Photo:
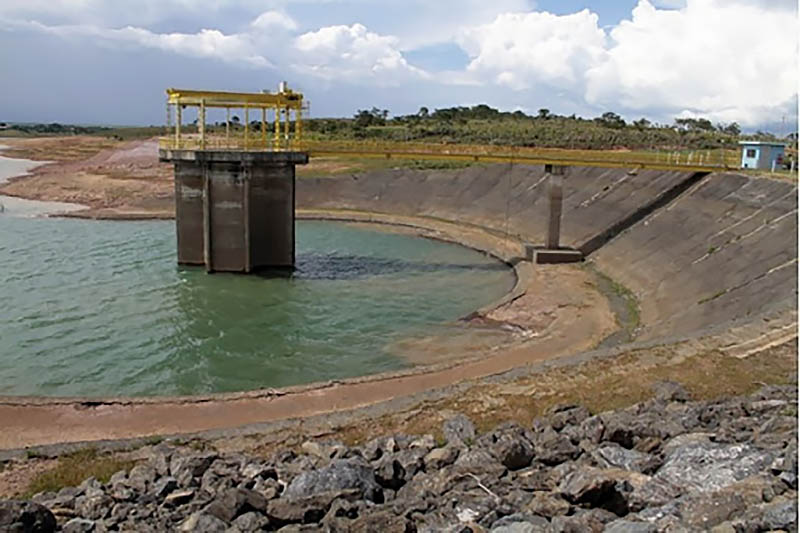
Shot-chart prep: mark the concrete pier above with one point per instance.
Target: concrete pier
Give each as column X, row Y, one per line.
column 234, row 210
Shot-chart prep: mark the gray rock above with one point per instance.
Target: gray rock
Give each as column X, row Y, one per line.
column 613, row 455
column 140, row 477
column 186, row 469
column 324, row 450
column 548, row 505
column 179, row 497
column 340, row 474
column 79, row 525
column 258, row 471
column 705, row 466
column 670, row 391
column 592, row 429
column 626, row 526
column 390, row 473
column 480, row 462
column 201, row 522
column 593, row 520
column 377, row 448
column 236, row 502
column 118, row 477
column 426, row 441
column 383, row 520
column 119, row 512
column 164, row 486
column 251, row 522
column 597, row 488
column 440, row 457
column 25, row 516
column 513, row 450
column 553, row 448
column 701, row 512
column 308, row 509
column 521, row 523
column 779, row 515
column 561, row 416
column 94, row 505
column 459, row 429
column 121, row 493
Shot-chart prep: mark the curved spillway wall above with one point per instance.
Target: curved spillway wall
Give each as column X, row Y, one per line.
column 724, row 248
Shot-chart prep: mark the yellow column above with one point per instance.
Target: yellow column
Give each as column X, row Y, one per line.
column 286, row 130
column 246, row 124
column 178, row 127
column 277, row 140
column 201, row 119
column 298, row 126
column 264, row 126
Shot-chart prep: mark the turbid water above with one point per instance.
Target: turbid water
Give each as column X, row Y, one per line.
column 101, row 308
column 19, row 207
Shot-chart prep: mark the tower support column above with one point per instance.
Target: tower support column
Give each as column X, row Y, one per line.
column 234, row 210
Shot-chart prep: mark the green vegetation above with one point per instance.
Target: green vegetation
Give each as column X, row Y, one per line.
column 479, row 124
column 121, row 133
column 482, row 124
column 74, row 468
column 624, row 302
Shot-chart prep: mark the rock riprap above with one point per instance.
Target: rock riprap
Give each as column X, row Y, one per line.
column 668, row 464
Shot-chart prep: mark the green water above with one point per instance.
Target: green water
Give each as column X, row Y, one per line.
column 101, row 308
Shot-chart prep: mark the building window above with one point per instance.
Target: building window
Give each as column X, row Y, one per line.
column 751, row 152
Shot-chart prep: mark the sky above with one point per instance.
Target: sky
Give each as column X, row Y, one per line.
column 108, row 62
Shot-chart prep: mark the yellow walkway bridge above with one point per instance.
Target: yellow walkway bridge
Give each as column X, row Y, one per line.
column 278, row 126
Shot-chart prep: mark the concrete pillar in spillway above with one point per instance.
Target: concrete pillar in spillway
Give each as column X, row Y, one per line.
column 553, row 252
column 234, row 210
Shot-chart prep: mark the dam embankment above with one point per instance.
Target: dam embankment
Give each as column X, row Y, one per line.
column 718, row 248
column 719, row 254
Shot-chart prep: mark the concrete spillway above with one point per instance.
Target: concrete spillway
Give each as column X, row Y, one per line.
column 723, row 249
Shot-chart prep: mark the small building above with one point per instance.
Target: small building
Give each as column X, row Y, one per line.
column 763, row 155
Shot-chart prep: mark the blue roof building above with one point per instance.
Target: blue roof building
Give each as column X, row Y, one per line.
column 763, row 155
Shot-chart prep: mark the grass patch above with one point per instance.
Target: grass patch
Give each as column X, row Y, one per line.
column 600, row 385
column 712, row 297
column 623, row 302
column 72, row 469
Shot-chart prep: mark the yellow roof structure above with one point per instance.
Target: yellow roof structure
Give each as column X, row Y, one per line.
column 283, row 103
column 189, row 97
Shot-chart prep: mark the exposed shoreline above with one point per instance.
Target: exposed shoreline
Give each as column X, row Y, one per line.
column 572, row 330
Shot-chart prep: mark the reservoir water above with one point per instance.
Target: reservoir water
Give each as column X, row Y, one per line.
column 100, row 308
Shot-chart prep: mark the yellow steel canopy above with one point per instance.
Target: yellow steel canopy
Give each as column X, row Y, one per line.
column 285, row 99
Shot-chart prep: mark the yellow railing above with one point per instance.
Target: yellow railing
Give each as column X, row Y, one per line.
column 665, row 159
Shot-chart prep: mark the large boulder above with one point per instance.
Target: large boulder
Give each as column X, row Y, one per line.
column 25, row 517
column 701, row 465
column 340, row 474
column 459, row 429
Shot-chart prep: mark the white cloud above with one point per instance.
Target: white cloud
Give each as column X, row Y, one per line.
column 207, row 43
column 724, row 60
column 523, row 49
column 728, row 60
column 352, row 52
column 274, row 20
